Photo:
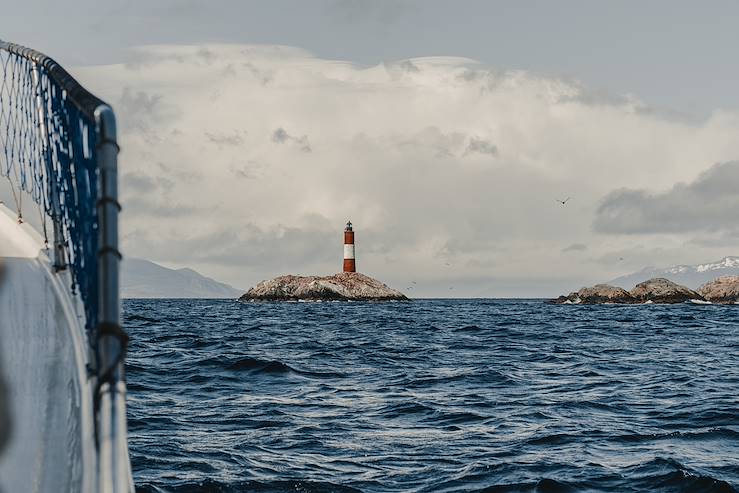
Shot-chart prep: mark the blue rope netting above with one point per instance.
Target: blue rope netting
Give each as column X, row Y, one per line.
column 47, row 149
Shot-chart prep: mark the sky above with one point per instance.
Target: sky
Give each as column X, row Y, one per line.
column 251, row 131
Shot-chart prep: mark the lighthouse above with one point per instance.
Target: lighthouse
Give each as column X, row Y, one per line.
column 349, row 265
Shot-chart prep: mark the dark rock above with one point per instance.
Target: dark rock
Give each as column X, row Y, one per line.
column 598, row 294
column 661, row 290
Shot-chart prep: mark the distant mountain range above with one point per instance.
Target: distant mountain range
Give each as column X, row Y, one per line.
column 144, row 279
column 691, row 276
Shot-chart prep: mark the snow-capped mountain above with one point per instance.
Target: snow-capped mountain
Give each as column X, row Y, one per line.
column 144, row 279
column 691, row 276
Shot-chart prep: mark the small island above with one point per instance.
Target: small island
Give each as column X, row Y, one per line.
column 349, row 285
column 346, row 286
column 723, row 290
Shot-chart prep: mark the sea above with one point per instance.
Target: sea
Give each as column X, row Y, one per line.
column 432, row 396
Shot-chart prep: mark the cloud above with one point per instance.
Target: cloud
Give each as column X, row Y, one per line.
column 280, row 136
column 250, row 170
column 449, row 171
column 207, row 55
column 575, row 247
column 361, row 11
column 408, row 66
column 143, row 184
column 430, row 140
column 223, row 139
column 146, row 195
column 276, row 249
column 480, row 146
column 144, row 111
column 707, row 204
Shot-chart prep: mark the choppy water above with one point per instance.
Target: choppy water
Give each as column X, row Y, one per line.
column 428, row 396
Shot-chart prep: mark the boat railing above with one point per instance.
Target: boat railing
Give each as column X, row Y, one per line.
column 58, row 145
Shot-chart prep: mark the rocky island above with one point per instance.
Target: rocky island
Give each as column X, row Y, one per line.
column 723, row 290
column 657, row 290
column 346, row 286
column 349, row 285
column 600, row 293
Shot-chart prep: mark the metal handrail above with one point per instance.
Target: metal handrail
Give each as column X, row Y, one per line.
column 83, row 99
column 109, row 340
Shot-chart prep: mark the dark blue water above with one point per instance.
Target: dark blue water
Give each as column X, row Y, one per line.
column 446, row 396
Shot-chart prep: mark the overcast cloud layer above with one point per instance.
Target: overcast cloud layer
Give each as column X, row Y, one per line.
column 676, row 54
column 245, row 161
column 706, row 205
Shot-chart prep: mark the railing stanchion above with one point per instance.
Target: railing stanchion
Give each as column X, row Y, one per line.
column 111, row 339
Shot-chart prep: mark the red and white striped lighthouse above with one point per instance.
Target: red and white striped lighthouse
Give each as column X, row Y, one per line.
column 349, row 265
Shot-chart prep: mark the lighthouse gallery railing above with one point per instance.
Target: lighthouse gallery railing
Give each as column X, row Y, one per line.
column 58, row 144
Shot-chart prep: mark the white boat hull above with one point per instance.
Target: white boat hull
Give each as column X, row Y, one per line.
column 43, row 357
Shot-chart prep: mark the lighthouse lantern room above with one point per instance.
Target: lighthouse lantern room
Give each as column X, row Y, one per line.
column 349, row 263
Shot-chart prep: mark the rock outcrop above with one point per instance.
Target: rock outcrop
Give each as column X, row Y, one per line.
column 657, row 290
column 661, row 290
column 724, row 289
column 600, row 293
column 347, row 286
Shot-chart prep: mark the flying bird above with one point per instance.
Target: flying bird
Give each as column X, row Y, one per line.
column 563, row 202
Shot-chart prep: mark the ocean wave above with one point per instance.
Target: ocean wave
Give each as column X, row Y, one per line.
column 404, row 409
column 259, row 366
column 711, row 433
column 140, row 318
column 670, row 476
column 274, row 367
column 544, row 485
column 212, row 486
column 469, row 328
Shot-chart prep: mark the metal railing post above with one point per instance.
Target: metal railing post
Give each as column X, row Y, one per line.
column 107, row 209
column 114, row 476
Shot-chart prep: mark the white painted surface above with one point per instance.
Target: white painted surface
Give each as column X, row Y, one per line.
column 18, row 240
column 348, row 251
column 43, row 351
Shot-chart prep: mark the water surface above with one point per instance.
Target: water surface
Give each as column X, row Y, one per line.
column 432, row 396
